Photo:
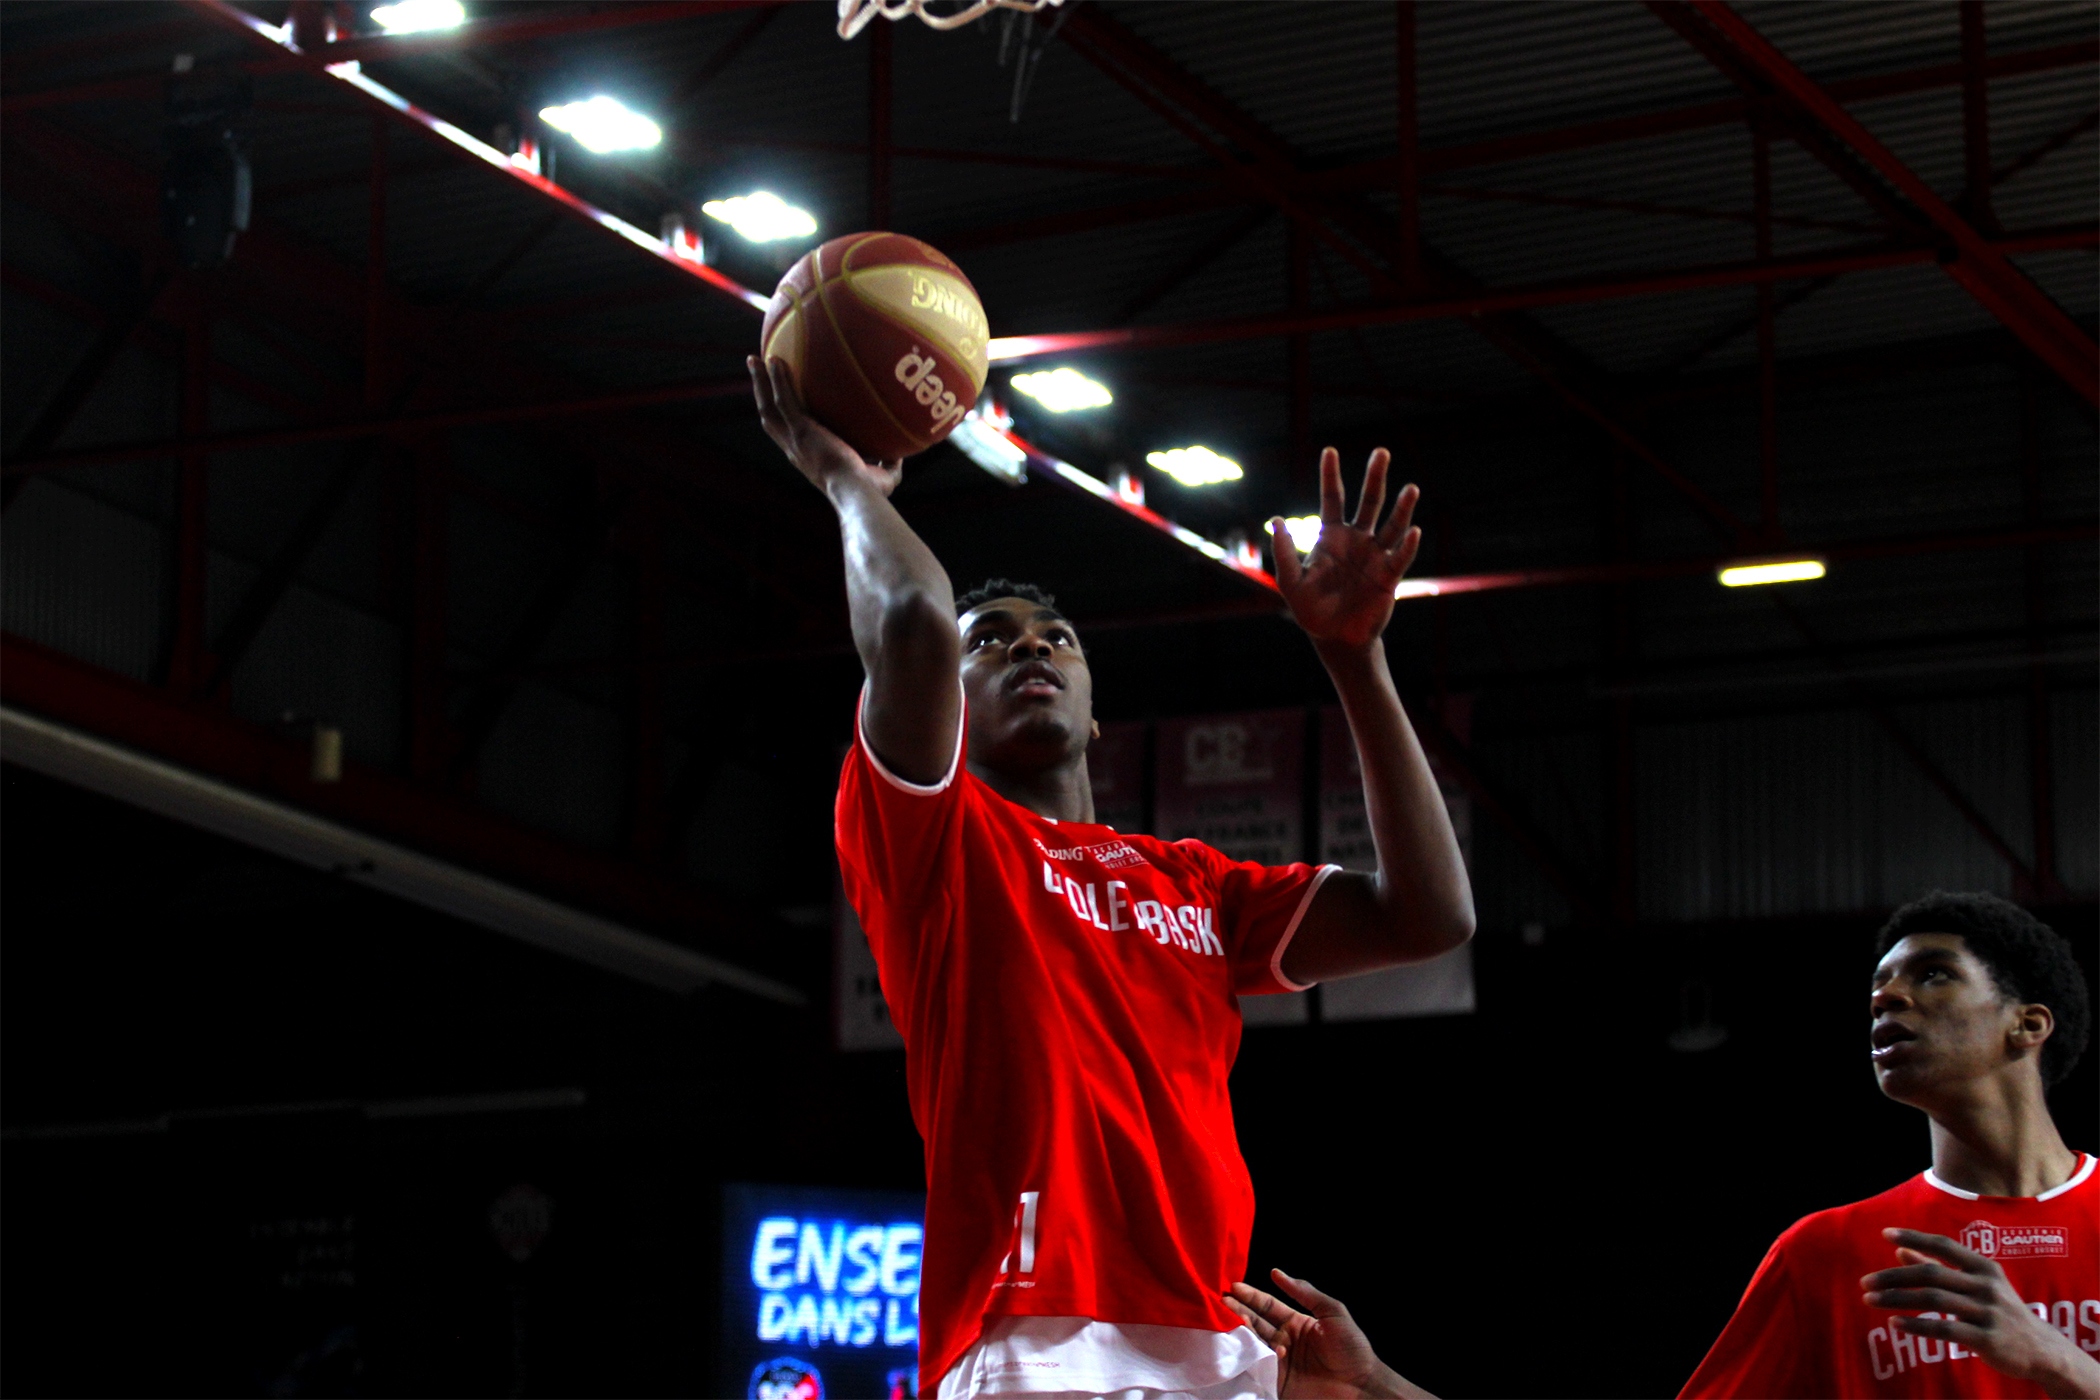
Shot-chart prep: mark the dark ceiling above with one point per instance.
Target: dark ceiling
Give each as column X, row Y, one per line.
column 482, row 484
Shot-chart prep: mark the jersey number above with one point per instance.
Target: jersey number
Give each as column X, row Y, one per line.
column 1024, row 1226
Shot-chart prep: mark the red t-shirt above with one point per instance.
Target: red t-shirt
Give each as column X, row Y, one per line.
column 1066, row 998
column 1801, row 1329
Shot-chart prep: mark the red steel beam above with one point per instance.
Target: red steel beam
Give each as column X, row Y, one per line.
column 1407, row 161
column 446, row 134
column 379, row 48
column 685, row 391
column 1976, row 118
column 1008, row 349
column 1191, row 107
column 2041, row 765
column 321, row 288
column 645, row 822
column 1133, row 211
column 187, row 660
column 429, row 690
column 251, row 757
column 1701, row 116
column 2027, row 536
column 1304, row 467
column 1907, row 745
column 1979, row 267
column 1382, row 172
column 1767, row 335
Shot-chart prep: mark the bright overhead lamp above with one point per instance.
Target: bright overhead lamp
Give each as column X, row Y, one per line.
column 1774, row 571
column 419, row 16
column 1063, row 390
column 603, row 125
column 982, row 437
column 1195, row 466
column 762, row 216
column 1304, row 531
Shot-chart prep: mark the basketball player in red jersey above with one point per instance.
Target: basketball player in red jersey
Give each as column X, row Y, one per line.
column 1978, row 1008
column 1066, row 992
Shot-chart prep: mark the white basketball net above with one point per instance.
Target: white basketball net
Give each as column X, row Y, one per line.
column 855, row 14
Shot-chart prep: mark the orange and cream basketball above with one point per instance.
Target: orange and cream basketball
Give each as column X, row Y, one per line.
column 885, row 339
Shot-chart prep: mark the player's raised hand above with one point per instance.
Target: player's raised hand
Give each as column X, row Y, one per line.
column 817, row 452
column 1978, row 1309
column 1343, row 591
column 1321, row 1354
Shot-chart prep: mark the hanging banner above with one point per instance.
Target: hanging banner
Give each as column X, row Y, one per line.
column 1236, row 782
column 861, row 1015
column 1441, row 986
column 1115, row 765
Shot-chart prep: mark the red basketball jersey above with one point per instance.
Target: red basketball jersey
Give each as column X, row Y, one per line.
column 1066, row 998
column 1801, row 1329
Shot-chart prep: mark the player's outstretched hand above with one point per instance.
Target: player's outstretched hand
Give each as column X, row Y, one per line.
column 817, row 452
column 1978, row 1309
column 1321, row 1354
column 1343, row 591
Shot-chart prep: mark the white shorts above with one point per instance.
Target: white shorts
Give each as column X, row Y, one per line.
column 1066, row 1358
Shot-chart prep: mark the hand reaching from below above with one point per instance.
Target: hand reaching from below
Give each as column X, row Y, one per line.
column 1343, row 591
column 817, row 452
column 1321, row 1354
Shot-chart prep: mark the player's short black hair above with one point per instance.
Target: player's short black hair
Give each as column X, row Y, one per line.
column 2030, row 962
column 1005, row 588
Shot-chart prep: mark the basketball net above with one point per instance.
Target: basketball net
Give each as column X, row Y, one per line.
column 855, row 14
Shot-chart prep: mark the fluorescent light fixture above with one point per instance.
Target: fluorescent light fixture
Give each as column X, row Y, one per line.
column 1776, row 571
column 762, row 216
column 1304, row 531
column 1063, row 390
column 419, row 16
column 981, row 440
column 603, row 125
column 1195, row 466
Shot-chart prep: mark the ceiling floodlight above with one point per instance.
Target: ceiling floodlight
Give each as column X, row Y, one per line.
column 1304, row 531
column 1063, row 390
column 603, row 125
column 419, row 16
column 982, row 438
column 1777, row 571
column 1195, row 466
column 762, row 216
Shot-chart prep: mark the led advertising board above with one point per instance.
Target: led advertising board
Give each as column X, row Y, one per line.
column 820, row 1293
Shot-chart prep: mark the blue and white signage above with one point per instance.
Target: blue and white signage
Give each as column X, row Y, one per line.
column 820, row 1290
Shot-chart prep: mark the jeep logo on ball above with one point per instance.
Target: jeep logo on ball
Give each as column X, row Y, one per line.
column 915, row 372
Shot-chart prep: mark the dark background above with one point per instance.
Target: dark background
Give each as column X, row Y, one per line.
column 1503, row 1199
column 364, row 477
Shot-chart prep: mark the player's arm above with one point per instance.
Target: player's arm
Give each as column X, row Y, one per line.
column 902, row 605
column 1979, row 1310
column 1420, row 902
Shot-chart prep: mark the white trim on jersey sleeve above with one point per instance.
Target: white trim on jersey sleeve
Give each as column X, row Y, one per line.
column 1290, row 932
column 860, row 734
column 1932, row 1179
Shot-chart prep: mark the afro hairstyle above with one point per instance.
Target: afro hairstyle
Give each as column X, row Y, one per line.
column 2030, row 962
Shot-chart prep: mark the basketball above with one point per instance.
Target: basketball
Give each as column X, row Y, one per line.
column 885, row 339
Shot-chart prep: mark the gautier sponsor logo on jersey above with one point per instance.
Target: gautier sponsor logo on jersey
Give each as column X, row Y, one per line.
column 2016, row 1241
